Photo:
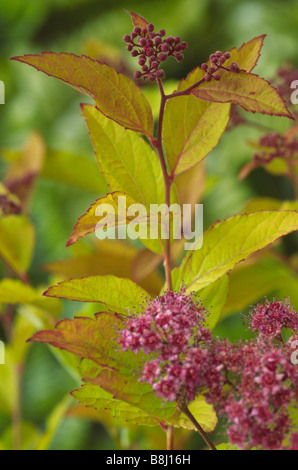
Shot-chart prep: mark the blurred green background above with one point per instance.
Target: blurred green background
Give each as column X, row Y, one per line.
column 35, row 102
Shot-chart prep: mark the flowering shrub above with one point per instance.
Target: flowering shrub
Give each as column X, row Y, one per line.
column 156, row 361
column 252, row 384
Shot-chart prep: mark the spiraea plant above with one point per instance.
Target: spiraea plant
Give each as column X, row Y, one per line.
column 154, row 360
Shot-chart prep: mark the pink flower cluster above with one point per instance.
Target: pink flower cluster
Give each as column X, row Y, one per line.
column 250, row 384
column 264, row 385
column 269, row 318
column 152, row 49
column 170, row 326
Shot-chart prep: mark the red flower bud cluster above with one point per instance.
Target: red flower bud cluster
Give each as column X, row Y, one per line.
column 276, row 145
column 152, row 49
column 217, row 60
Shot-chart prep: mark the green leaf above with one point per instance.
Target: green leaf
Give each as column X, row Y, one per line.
column 118, row 294
column 14, row 229
column 214, row 298
column 227, row 446
column 95, row 397
column 202, row 411
column 115, row 95
column 127, row 162
column 112, row 211
column 190, row 130
column 252, row 93
column 227, row 243
column 113, row 214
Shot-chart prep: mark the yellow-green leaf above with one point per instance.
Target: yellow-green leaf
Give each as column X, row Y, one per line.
column 227, row 243
column 118, row 294
column 252, row 93
column 113, row 211
column 115, row 95
column 95, row 397
column 127, row 162
column 193, row 128
column 248, row 54
column 108, row 211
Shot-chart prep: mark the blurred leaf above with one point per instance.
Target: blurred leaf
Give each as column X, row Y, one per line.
column 14, row 229
column 190, row 185
column 29, row 436
column 8, row 383
column 22, row 331
column 252, row 280
column 9, row 203
column 22, row 173
column 229, row 242
column 13, row 291
column 113, row 257
column 84, row 172
column 117, row 294
column 52, row 424
column 268, row 204
column 144, row 264
column 138, row 20
column 115, row 95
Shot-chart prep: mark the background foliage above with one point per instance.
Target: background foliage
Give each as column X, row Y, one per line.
column 41, row 117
